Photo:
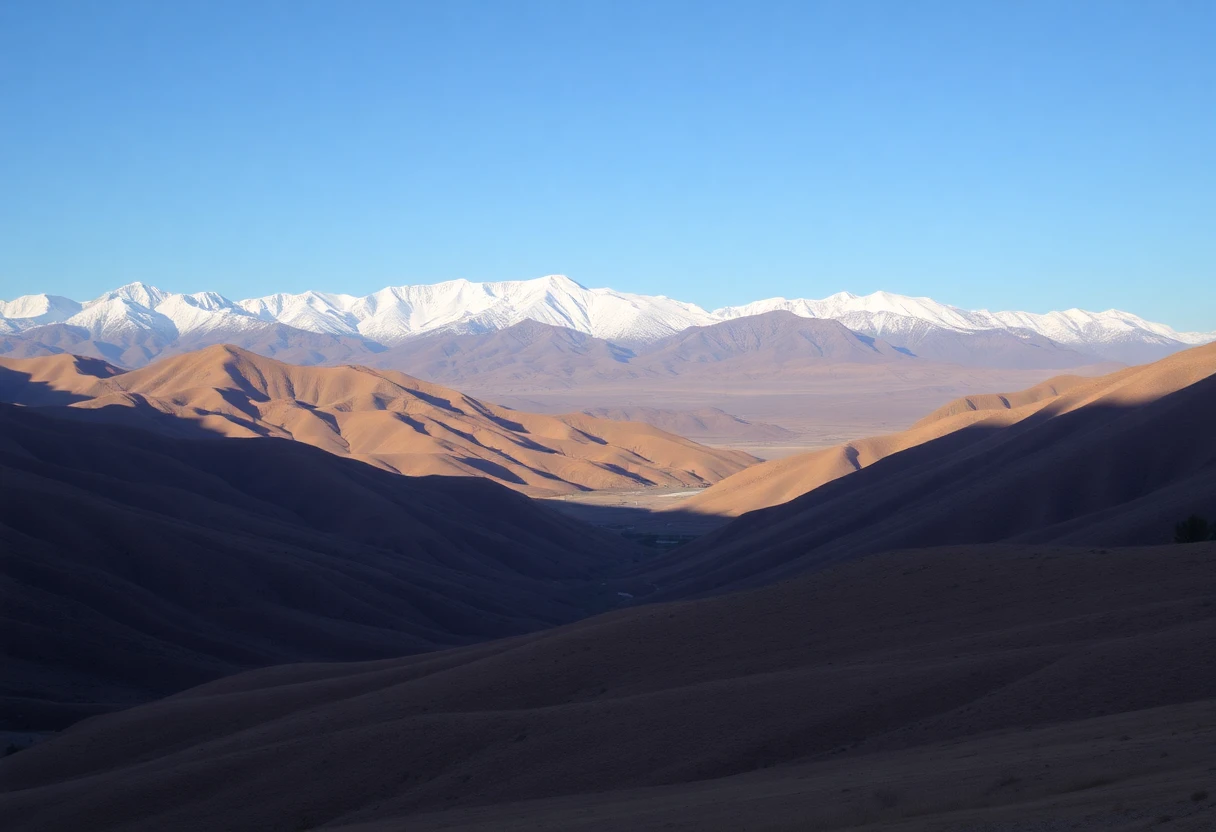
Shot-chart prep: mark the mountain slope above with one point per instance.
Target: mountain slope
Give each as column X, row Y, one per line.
column 781, row 480
column 137, row 564
column 398, row 312
column 137, row 348
column 395, row 314
column 529, row 352
column 1112, row 461
column 902, row 320
column 537, row 356
column 387, row 419
column 918, row 690
column 767, row 343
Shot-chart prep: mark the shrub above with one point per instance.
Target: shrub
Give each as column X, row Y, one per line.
column 1192, row 530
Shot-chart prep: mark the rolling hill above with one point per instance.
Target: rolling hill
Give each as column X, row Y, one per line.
column 977, row 687
column 1110, row 461
column 781, row 480
column 384, row 418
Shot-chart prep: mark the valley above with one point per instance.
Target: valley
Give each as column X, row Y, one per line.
column 229, row 567
column 607, row 416
column 810, row 410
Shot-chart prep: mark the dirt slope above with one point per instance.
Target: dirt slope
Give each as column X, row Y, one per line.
column 912, row 686
column 381, row 417
column 780, row 481
column 1114, row 461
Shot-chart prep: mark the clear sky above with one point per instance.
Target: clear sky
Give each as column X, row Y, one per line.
column 1028, row 155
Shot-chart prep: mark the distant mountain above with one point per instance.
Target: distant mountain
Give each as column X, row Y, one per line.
column 536, row 356
column 770, row 341
column 909, row 322
column 139, row 347
column 137, row 322
column 528, row 351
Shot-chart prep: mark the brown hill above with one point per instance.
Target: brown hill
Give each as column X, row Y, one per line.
column 380, row 417
column 770, row 343
column 1112, row 461
column 963, row 688
column 782, row 480
column 528, row 353
column 1041, row 392
column 135, row 565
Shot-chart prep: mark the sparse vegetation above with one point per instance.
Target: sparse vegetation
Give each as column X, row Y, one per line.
column 1193, row 529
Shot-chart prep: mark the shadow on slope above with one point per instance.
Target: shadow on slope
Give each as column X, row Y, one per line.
column 137, row 564
column 845, row 669
column 1101, row 474
column 18, row 386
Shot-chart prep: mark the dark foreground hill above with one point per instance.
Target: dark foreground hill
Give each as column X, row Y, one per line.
column 969, row 688
column 135, row 564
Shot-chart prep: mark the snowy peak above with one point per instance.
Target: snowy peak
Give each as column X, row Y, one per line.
column 204, row 312
column 37, row 310
column 310, row 311
column 140, row 294
column 112, row 317
column 846, row 304
column 397, row 313
column 1113, row 335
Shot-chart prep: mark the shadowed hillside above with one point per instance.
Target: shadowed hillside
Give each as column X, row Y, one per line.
column 136, row 565
column 921, row 687
column 1114, row 461
column 782, row 480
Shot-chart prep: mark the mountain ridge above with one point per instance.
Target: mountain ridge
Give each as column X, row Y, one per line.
column 396, row 314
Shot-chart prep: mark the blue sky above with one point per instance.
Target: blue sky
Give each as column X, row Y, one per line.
column 989, row 154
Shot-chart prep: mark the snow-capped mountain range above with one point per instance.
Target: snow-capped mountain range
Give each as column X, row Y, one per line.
column 398, row 313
